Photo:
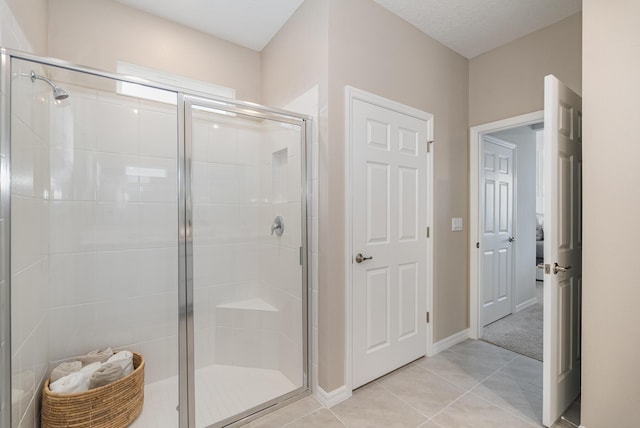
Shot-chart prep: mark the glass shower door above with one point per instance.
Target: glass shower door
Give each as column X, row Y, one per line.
column 249, row 301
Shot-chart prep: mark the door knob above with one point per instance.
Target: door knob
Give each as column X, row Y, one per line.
column 512, row 238
column 360, row 258
column 557, row 268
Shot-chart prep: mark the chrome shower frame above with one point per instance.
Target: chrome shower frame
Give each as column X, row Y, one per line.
column 185, row 99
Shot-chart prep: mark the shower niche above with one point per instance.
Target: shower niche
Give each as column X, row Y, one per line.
column 147, row 226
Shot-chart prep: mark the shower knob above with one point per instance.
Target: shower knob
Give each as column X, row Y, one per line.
column 278, row 226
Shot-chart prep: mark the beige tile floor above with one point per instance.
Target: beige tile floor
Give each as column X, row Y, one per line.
column 471, row 385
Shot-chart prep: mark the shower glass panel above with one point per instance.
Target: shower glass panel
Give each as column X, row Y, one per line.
column 249, row 295
column 94, row 233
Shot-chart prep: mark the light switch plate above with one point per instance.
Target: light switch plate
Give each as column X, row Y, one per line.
column 456, row 224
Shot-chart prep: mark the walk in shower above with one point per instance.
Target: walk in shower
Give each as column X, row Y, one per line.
column 167, row 223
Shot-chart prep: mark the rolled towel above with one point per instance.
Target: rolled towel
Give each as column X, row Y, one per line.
column 75, row 382
column 96, row 356
column 70, row 384
column 88, row 370
column 106, row 374
column 125, row 360
column 65, row 369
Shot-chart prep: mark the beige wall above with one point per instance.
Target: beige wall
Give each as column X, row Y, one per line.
column 508, row 81
column 98, row 33
column 33, row 18
column 374, row 50
column 611, row 289
column 296, row 59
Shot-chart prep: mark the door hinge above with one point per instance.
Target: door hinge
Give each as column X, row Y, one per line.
column 477, row 245
column 428, row 231
column 427, row 317
column 429, row 145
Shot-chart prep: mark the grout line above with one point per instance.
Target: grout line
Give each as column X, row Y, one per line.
column 509, row 411
column 404, row 401
column 450, row 404
column 456, row 385
column 337, row 417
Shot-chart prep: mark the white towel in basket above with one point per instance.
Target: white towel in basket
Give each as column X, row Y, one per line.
column 125, row 360
column 75, row 382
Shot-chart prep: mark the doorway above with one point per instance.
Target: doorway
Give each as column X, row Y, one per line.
column 511, row 298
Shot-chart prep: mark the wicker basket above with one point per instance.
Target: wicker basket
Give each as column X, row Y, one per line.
column 115, row 405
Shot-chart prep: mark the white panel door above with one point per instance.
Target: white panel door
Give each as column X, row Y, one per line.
column 497, row 228
column 389, row 227
column 562, row 247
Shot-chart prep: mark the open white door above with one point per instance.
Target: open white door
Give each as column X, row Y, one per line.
column 562, row 247
column 390, row 170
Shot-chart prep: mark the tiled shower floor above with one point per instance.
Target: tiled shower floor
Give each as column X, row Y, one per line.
column 221, row 392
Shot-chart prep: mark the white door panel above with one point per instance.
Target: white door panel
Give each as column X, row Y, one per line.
column 497, row 196
column 389, row 223
column 563, row 246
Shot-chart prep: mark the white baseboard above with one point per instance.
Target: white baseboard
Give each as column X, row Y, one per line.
column 526, row 304
column 330, row 399
column 448, row 342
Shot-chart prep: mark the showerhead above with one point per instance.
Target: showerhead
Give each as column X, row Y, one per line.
column 58, row 93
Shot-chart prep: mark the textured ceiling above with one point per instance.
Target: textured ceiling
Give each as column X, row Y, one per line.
column 473, row 27
column 249, row 23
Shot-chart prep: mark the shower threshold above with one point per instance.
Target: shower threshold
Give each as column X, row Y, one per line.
column 221, row 392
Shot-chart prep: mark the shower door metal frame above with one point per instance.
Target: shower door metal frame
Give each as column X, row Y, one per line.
column 304, row 123
column 185, row 98
column 5, row 235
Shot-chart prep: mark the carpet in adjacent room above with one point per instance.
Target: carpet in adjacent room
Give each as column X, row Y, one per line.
column 520, row 332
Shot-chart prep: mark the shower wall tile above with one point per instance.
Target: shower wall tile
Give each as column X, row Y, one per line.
column 249, row 185
column 249, row 146
column 211, row 264
column 74, row 175
column 294, row 177
column 161, row 358
column 28, row 232
column 222, row 147
column 156, row 316
column 40, row 105
column 84, row 121
column 23, row 158
column 75, row 330
column 118, row 125
column 116, row 178
column 28, row 300
column 22, row 96
column 71, row 227
column 158, row 225
column 158, row 179
column 203, row 355
column 158, row 133
column 117, row 225
column 157, row 270
column 223, row 183
column 246, row 265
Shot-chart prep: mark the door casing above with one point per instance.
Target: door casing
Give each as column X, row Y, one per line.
column 475, row 228
column 351, row 94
